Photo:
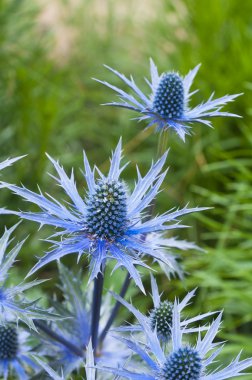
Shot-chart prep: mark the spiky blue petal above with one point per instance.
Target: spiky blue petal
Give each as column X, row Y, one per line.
column 9, row 162
column 13, row 303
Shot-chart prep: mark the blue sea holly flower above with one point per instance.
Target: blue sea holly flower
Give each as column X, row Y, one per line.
column 168, row 104
column 67, row 354
column 15, row 353
column 160, row 317
column 14, row 306
column 179, row 360
column 106, row 222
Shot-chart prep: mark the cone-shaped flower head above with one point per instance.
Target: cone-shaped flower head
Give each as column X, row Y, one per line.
column 8, row 342
column 184, row 364
column 167, row 106
column 161, row 319
column 13, row 303
column 106, row 222
column 15, row 351
column 169, row 97
column 107, row 210
column 178, row 360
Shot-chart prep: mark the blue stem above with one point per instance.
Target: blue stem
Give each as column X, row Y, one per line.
column 115, row 308
column 96, row 307
column 55, row 336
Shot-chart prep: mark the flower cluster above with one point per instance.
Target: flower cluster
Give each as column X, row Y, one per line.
column 77, row 336
column 179, row 360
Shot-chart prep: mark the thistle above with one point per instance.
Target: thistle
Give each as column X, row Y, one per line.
column 168, row 104
column 107, row 223
column 160, row 318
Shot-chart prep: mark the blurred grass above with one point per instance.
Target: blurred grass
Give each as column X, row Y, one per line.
column 49, row 103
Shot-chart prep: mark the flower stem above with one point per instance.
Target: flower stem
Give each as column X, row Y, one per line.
column 96, row 307
column 115, row 308
column 52, row 334
column 162, row 143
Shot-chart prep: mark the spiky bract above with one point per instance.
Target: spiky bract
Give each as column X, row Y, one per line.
column 14, row 305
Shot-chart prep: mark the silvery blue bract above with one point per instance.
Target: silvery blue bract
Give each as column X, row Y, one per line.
column 14, row 305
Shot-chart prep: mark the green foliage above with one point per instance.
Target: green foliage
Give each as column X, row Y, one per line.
column 48, row 102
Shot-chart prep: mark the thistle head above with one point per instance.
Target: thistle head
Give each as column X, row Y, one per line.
column 107, row 210
column 169, row 96
column 183, row 364
column 161, row 319
column 8, row 342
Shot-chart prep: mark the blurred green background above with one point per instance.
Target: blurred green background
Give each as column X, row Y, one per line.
column 49, row 52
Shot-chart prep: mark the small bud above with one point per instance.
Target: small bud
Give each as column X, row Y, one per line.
column 161, row 319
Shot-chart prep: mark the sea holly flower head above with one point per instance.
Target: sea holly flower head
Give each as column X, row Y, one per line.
column 179, row 360
column 160, row 318
column 15, row 352
column 14, row 305
column 168, row 104
column 107, row 222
